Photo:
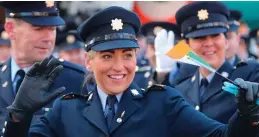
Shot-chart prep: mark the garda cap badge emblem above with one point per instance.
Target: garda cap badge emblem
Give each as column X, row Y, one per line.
column 116, row 24
column 203, row 14
column 157, row 29
column 70, row 39
column 4, row 35
column 49, row 4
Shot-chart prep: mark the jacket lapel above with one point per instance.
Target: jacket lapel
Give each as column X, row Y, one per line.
column 6, row 89
column 216, row 83
column 94, row 112
column 193, row 90
column 127, row 106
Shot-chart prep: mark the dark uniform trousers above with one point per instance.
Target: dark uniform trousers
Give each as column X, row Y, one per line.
column 160, row 111
column 72, row 77
column 216, row 103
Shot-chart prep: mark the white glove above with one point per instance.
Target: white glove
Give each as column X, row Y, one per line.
column 163, row 43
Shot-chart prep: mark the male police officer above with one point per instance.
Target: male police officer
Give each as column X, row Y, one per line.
column 31, row 27
column 233, row 37
column 165, row 70
column 203, row 25
column 71, row 48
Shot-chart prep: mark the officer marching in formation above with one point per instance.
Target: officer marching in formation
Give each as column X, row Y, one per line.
column 118, row 107
column 233, row 37
column 204, row 26
column 150, row 30
column 70, row 48
column 31, row 27
column 164, row 70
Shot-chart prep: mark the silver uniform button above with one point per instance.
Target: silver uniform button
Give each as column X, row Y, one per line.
column 3, row 130
column 197, row 107
column 119, row 120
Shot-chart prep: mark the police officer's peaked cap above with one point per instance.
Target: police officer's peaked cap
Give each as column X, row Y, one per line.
column 234, row 19
column 38, row 13
column 202, row 18
column 111, row 28
column 151, row 29
column 69, row 41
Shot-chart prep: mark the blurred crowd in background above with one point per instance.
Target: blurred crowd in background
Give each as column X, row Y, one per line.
column 69, row 47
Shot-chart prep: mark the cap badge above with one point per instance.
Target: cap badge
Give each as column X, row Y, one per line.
column 157, row 29
column 70, row 39
column 49, row 4
column 203, row 14
column 4, row 35
column 116, row 24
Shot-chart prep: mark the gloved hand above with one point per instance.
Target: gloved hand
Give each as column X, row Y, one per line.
column 246, row 99
column 163, row 43
column 34, row 90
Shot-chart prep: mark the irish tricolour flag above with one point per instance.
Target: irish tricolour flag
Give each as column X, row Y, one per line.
column 182, row 52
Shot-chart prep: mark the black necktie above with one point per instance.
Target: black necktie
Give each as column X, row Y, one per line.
column 203, row 86
column 110, row 102
column 21, row 75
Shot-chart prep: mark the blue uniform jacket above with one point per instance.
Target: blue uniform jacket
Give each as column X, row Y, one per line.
column 215, row 102
column 72, row 76
column 160, row 111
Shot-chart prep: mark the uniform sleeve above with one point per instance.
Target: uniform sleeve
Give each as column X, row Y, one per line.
column 44, row 127
column 184, row 120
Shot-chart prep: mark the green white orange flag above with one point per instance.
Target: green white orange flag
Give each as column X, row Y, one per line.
column 181, row 52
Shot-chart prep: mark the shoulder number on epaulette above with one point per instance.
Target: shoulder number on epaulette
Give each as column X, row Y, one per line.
column 157, row 87
column 73, row 96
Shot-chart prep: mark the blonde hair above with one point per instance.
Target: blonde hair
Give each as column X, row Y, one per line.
column 90, row 54
column 89, row 77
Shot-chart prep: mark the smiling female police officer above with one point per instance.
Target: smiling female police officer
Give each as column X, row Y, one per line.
column 204, row 26
column 117, row 107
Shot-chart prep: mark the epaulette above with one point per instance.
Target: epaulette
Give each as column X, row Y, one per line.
column 75, row 67
column 241, row 63
column 73, row 96
column 155, row 87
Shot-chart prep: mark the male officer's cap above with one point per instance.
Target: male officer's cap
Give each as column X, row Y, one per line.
column 38, row 13
column 4, row 38
column 151, row 29
column 234, row 18
column 111, row 28
column 69, row 41
column 202, row 18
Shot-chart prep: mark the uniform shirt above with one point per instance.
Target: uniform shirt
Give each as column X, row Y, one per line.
column 14, row 69
column 103, row 97
column 209, row 77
